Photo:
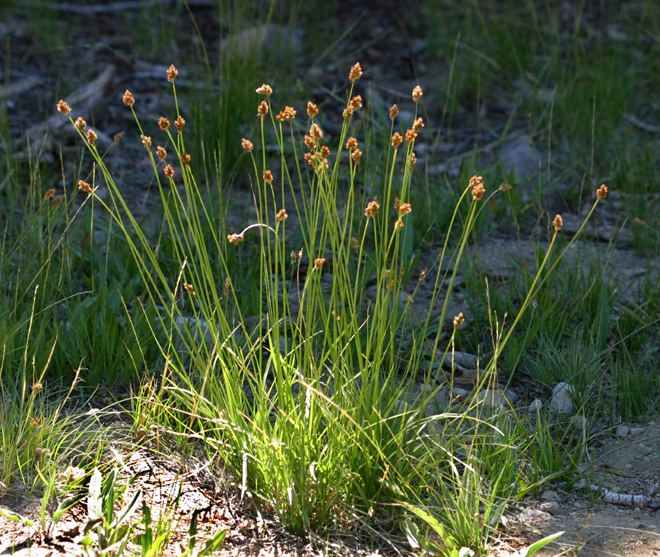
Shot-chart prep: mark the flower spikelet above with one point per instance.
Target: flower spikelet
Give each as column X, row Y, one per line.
column 264, row 89
column 179, row 123
column 172, row 73
column 168, row 171
column 601, row 192
column 417, row 93
column 80, row 123
column 161, row 152
column 163, row 123
column 91, row 137
column 558, row 223
column 355, row 73
column 127, row 98
column 85, row 187
column 372, row 209
column 63, row 107
column 247, row 145
column 394, row 112
column 312, row 109
column 262, row 109
column 397, row 139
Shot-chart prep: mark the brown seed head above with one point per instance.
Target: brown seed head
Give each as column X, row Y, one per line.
column 418, row 125
column 412, row 159
column 394, row 112
column 281, row 215
column 163, row 123
column 356, row 155
column 397, row 139
column 601, row 192
column 265, row 89
column 475, row 181
column 118, row 137
column 127, row 98
column 478, row 191
column 410, row 135
column 85, row 187
column 287, row 113
column 262, row 109
column 348, row 112
column 172, row 73
column 310, row 143
column 355, row 73
column 417, row 93
column 318, row 263
column 325, row 151
column 268, row 177
column 423, row 274
column 80, row 123
column 315, row 131
column 63, row 107
column 185, row 159
column 57, row 201
column 312, row 109
column 161, row 152
column 356, row 102
column 558, row 223
column 398, row 225
column 404, row 209
column 50, row 192
column 459, row 320
column 168, row 171
column 235, row 239
column 506, row 187
column 179, row 123
column 189, row 288
column 309, row 159
column 352, row 144
column 247, row 145
column 372, row 209
column 146, row 141
column 92, row 137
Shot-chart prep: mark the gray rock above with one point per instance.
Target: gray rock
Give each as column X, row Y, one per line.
column 493, row 398
column 462, row 360
column 551, row 507
column 580, row 423
column 535, row 406
column 520, row 156
column 562, row 399
column 550, row 495
column 635, row 431
column 622, row 431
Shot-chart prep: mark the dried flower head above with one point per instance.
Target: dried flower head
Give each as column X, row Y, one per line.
column 417, row 93
column 168, row 171
column 394, row 112
column 163, row 123
column 397, row 139
column 172, row 73
column 247, row 145
column 351, row 144
column 41, row 453
column 315, row 131
column 356, row 102
column 161, row 152
column 475, row 181
column 356, row 155
column 478, row 191
column 179, row 123
column 347, row 113
column 281, row 215
column 309, row 159
column 92, row 137
column 410, row 135
column 310, row 143
column 354, row 242
column 423, row 274
column 412, row 159
column 85, row 187
column 418, row 125
column 558, row 223
column 398, row 225
column 506, row 187
column 264, row 89
column 325, row 151
column 235, row 239
column 312, row 109
column 118, row 137
column 189, row 288
column 57, row 201
column 185, row 159
column 372, row 209
column 355, row 73
column 50, row 192
column 287, row 113
column 80, row 123
column 459, row 320
column 268, row 177
column 296, row 255
column 318, row 263
column 404, row 209
column 262, row 109
column 146, row 141
column 127, row 98
column 63, row 107
column 601, row 192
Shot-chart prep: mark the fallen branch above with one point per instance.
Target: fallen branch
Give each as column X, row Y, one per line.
column 625, row 499
column 7, row 91
column 82, row 101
